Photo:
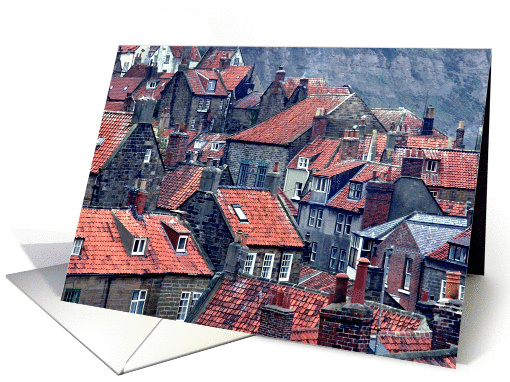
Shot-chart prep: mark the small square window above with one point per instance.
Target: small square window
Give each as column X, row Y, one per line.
column 355, row 190
column 431, row 165
column 211, row 85
column 147, row 157
column 181, row 244
column 216, row 146
column 152, row 84
column 319, row 184
column 138, row 247
column 302, row 163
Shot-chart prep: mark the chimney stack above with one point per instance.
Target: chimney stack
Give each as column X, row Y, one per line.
column 412, row 163
column 144, row 109
column 347, row 325
column 224, row 63
column 459, row 139
column 303, row 82
column 210, row 180
column 236, row 255
column 428, row 121
column 377, row 203
column 276, row 318
column 177, row 146
column 363, row 128
column 319, row 123
column 272, row 181
column 452, row 285
column 280, row 75
column 349, row 145
column 138, row 199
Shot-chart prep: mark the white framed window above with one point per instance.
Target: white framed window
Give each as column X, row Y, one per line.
column 184, row 303
column 318, row 220
column 77, row 246
column 333, row 256
column 457, row 253
column 194, row 298
column 181, row 244
column 267, row 266
column 407, row 274
column 100, row 141
column 152, row 84
column 249, row 263
column 298, row 189
column 125, row 88
column 138, row 301
column 312, row 216
column 199, row 144
column 216, row 146
column 240, row 213
column 147, row 157
column 339, row 225
column 313, row 252
column 431, row 166
column 193, row 121
column 138, row 247
column 355, row 190
column 354, row 251
column 207, row 104
column 319, row 184
column 285, row 267
column 462, row 290
column 204, row 104
column 443, row 289
column 347, row 225
column 303, row 162
column 433, row 193
column 342, row 260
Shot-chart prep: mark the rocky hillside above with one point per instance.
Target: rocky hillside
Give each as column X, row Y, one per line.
column 454, row 81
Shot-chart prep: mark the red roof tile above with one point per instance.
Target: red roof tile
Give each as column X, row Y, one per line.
column 316, row 279
column 442, row 252
column 305, row 335
column 292, row 208
column 456, row 168
column 401, row 119
column 114, row 106
column 232, row 75
column 452, row 208
column 194, row 54
column 427, row 141
column 155, row 93
column 268, row 223
column 178, row 185
column 128, row 48
column 212, row 61
column 198, row 80
column 137, row 70
column 104, row 253
column 289, row 124
column 114, row 127
column 449, row 362
column 397, row 342
column 314, row 86
column 394, row 320
column 338, row 168
column 319, row 152
column 120, row 87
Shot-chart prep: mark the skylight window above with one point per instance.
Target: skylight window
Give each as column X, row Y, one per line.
column 199, row 143
column 240, row 213
column 181, row 244
column 125, row 88
column 100, row 141
column 77, row 246
column 139, row 247
column 216, row 146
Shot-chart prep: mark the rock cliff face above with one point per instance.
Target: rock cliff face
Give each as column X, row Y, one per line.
column 454, row 81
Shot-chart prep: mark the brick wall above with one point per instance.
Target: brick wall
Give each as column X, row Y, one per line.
column 276, row 322
column 377, row 204
column 446, row 324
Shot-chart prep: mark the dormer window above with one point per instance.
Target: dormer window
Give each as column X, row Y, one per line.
column 100, row 141
column 181, row 244
column 211, row 85
column 303, row 163
column 319, row 184
column 199, row 144
column 355, row 190
column 240, row 213
column 77, row 246
column 139, row 247
column 458, row 253
column 431, row 166
column 125, row 88
column 216, row 146
column 152, row 84
column 147, row 157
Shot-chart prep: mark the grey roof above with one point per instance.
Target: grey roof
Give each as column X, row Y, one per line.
column 382, row 230
column 440, row 220
column 464, row 241
column 430, row 236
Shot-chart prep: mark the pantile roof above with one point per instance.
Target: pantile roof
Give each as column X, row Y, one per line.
column 212, row 59
column 427, row 141
column 338, row 168
column 441, row 253
column 178, row 185
column 397, row 342
column 114, row 106
column 232, row 75
column 292, row 208
column 194, row 54
column 268, row 223
column 396, row 320
column 115, row 125
column 198, row 80
column 317, row 279
column 314, row 86
column 290, row 123
column 104, row 253
column 120, row 87
column 155, row 93
column 455, row 169
column 128, row 48
column 138, row 70
column 320, row 153
column 452, row 208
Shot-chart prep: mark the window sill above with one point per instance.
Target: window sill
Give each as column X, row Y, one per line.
column 403, row 291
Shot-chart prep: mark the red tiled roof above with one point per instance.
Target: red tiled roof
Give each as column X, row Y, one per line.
column 213, row 60
column 292, row 209
column 198, row 80
column 438, row 361
column 397, row 342
column 153, row 93
column 232, row 75
column 114, row 106
column 178, row 185
column 120, row 87
column 442, row 252
column 138, row 70
column 237, row 304
column 316, row 279
column 104, row 253
column 456, row 168
column 127, row 48
column 315, row 86
column 452, row 208
column 394, row 320
column 248, row 102
column 401, row 119
column 427, row 141
column 380, row 145
column 289, row 124
column 268, row 223
column 320, row 152
column 338, row 168
column 194, row 54
column 114, row 127
column 305, row 335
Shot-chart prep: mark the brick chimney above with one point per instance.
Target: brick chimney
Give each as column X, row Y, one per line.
column 350, row 145
column 319, row 123
column 273, row 180
column 412, row 163
column 177, row 145
column 138, row 199
column 224, row 63
column 459, row 138
column 346, row 325
column 428, row 121
column 303, row 82
column 237, row 253
column 447, row 315
column 377, row 203
column 426, row 307
column 276, row 318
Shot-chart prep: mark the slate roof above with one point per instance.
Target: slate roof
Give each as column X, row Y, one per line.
column 441, row 253
column 444, row 357
column 381, row 231
column 320, row 153
column 232, row 75
column 268, row 223
column 104, row 253
column 178, row 185
column 115, row 125
column 286, row 126
column 456, row 168
column 120, row 87
column 198, row 80
column 248, row 102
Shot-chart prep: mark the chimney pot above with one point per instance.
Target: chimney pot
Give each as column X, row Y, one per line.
column 452, row 285
column 341, row 283
column 358, row 295
column 425, row 295
column 275, row 169
column 244, row 240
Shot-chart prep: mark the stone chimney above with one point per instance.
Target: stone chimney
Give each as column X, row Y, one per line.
column 391, row 140
column 459, row 138
column 319, row 123
column 177, row 146
column 210, row 180
column 144, row 109
column 276, row 318
column 412, row 163
column 447, row 315
column 164, row 119
column 273, row 180
column 237, row 253
column 428, row 121
column 346, row 325
column 363, row 128
column 303, row 82
column 350, row 145
column 377, row 203
column 280, row 75
column 138, row 199
column 224, row 63
column 373, row 147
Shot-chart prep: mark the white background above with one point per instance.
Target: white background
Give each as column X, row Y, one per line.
column 57, row 58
